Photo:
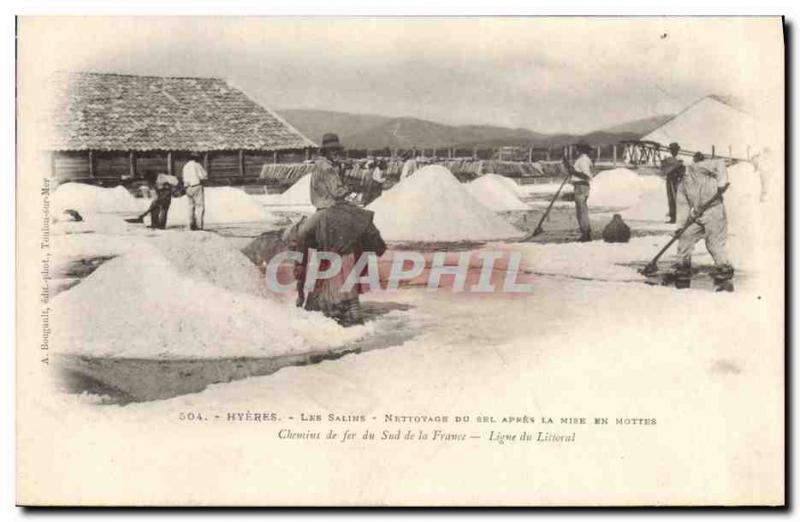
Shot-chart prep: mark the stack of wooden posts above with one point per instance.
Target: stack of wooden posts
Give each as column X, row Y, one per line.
column 475, row 168
column 358, row 173
column 285, row 173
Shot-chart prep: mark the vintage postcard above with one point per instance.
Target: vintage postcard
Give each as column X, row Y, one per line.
column 319, row 261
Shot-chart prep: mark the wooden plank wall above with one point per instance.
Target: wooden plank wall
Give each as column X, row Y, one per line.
column 155, row 162
column 223, row 165
column 70, row 165
column 111, row 165
column 107, row 167
column 253, row 161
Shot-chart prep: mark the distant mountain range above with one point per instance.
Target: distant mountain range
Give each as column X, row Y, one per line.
column 371, row 131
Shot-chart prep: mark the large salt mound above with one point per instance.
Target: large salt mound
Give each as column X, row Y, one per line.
column 651, row 204
column 432, row 205
column 223, row 205
column 297, row 194
column 88, row 198
column 619, row 187
column 508, row 182
column 185, row 296
column 494, row 192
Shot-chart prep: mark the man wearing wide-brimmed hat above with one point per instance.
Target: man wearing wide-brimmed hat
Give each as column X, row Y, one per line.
column 326, row 182
column 337, row 227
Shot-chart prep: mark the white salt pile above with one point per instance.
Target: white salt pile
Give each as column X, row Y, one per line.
column 651, row 204
column 618, row 187
column 297, row 194
column 496, row 192
column 508, row 182
column 223, row 205
column 88, row 198
column 432, row 205
column 185, row 296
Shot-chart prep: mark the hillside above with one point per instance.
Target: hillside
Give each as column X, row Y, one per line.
column 370, row 131
column 314, row 123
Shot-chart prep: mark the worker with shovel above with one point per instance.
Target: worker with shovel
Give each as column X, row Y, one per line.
column 165, row 187
column 581, row 176
column 699, row 197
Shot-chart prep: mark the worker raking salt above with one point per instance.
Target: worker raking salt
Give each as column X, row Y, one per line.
column 581, row 176
column 165, row 186
column 703, row 182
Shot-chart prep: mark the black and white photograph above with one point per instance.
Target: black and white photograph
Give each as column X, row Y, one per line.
column 400, row 261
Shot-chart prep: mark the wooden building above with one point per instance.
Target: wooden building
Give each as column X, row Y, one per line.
column 112, row 128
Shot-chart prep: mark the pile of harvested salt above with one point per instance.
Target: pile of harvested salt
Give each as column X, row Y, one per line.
column 89, row 198
column 223, row 205
column 496, row 192
column 297, row 194
column 618, row 187
column 432, row 205
column 515, row 187
column 185, row 296
column 651, row 204
column 207, row 256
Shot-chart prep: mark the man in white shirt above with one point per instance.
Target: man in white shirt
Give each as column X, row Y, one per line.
column 193, row 175
column 580, row 177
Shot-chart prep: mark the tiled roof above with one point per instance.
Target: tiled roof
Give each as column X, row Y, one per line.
column 95, row 111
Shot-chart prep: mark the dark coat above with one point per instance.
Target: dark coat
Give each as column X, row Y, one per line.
column 342, row 228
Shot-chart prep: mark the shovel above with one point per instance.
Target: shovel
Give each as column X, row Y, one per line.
column 135, row 220
column 538, row 229
column 651, row 267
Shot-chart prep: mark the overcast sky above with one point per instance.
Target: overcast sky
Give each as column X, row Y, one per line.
column 548, row 75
